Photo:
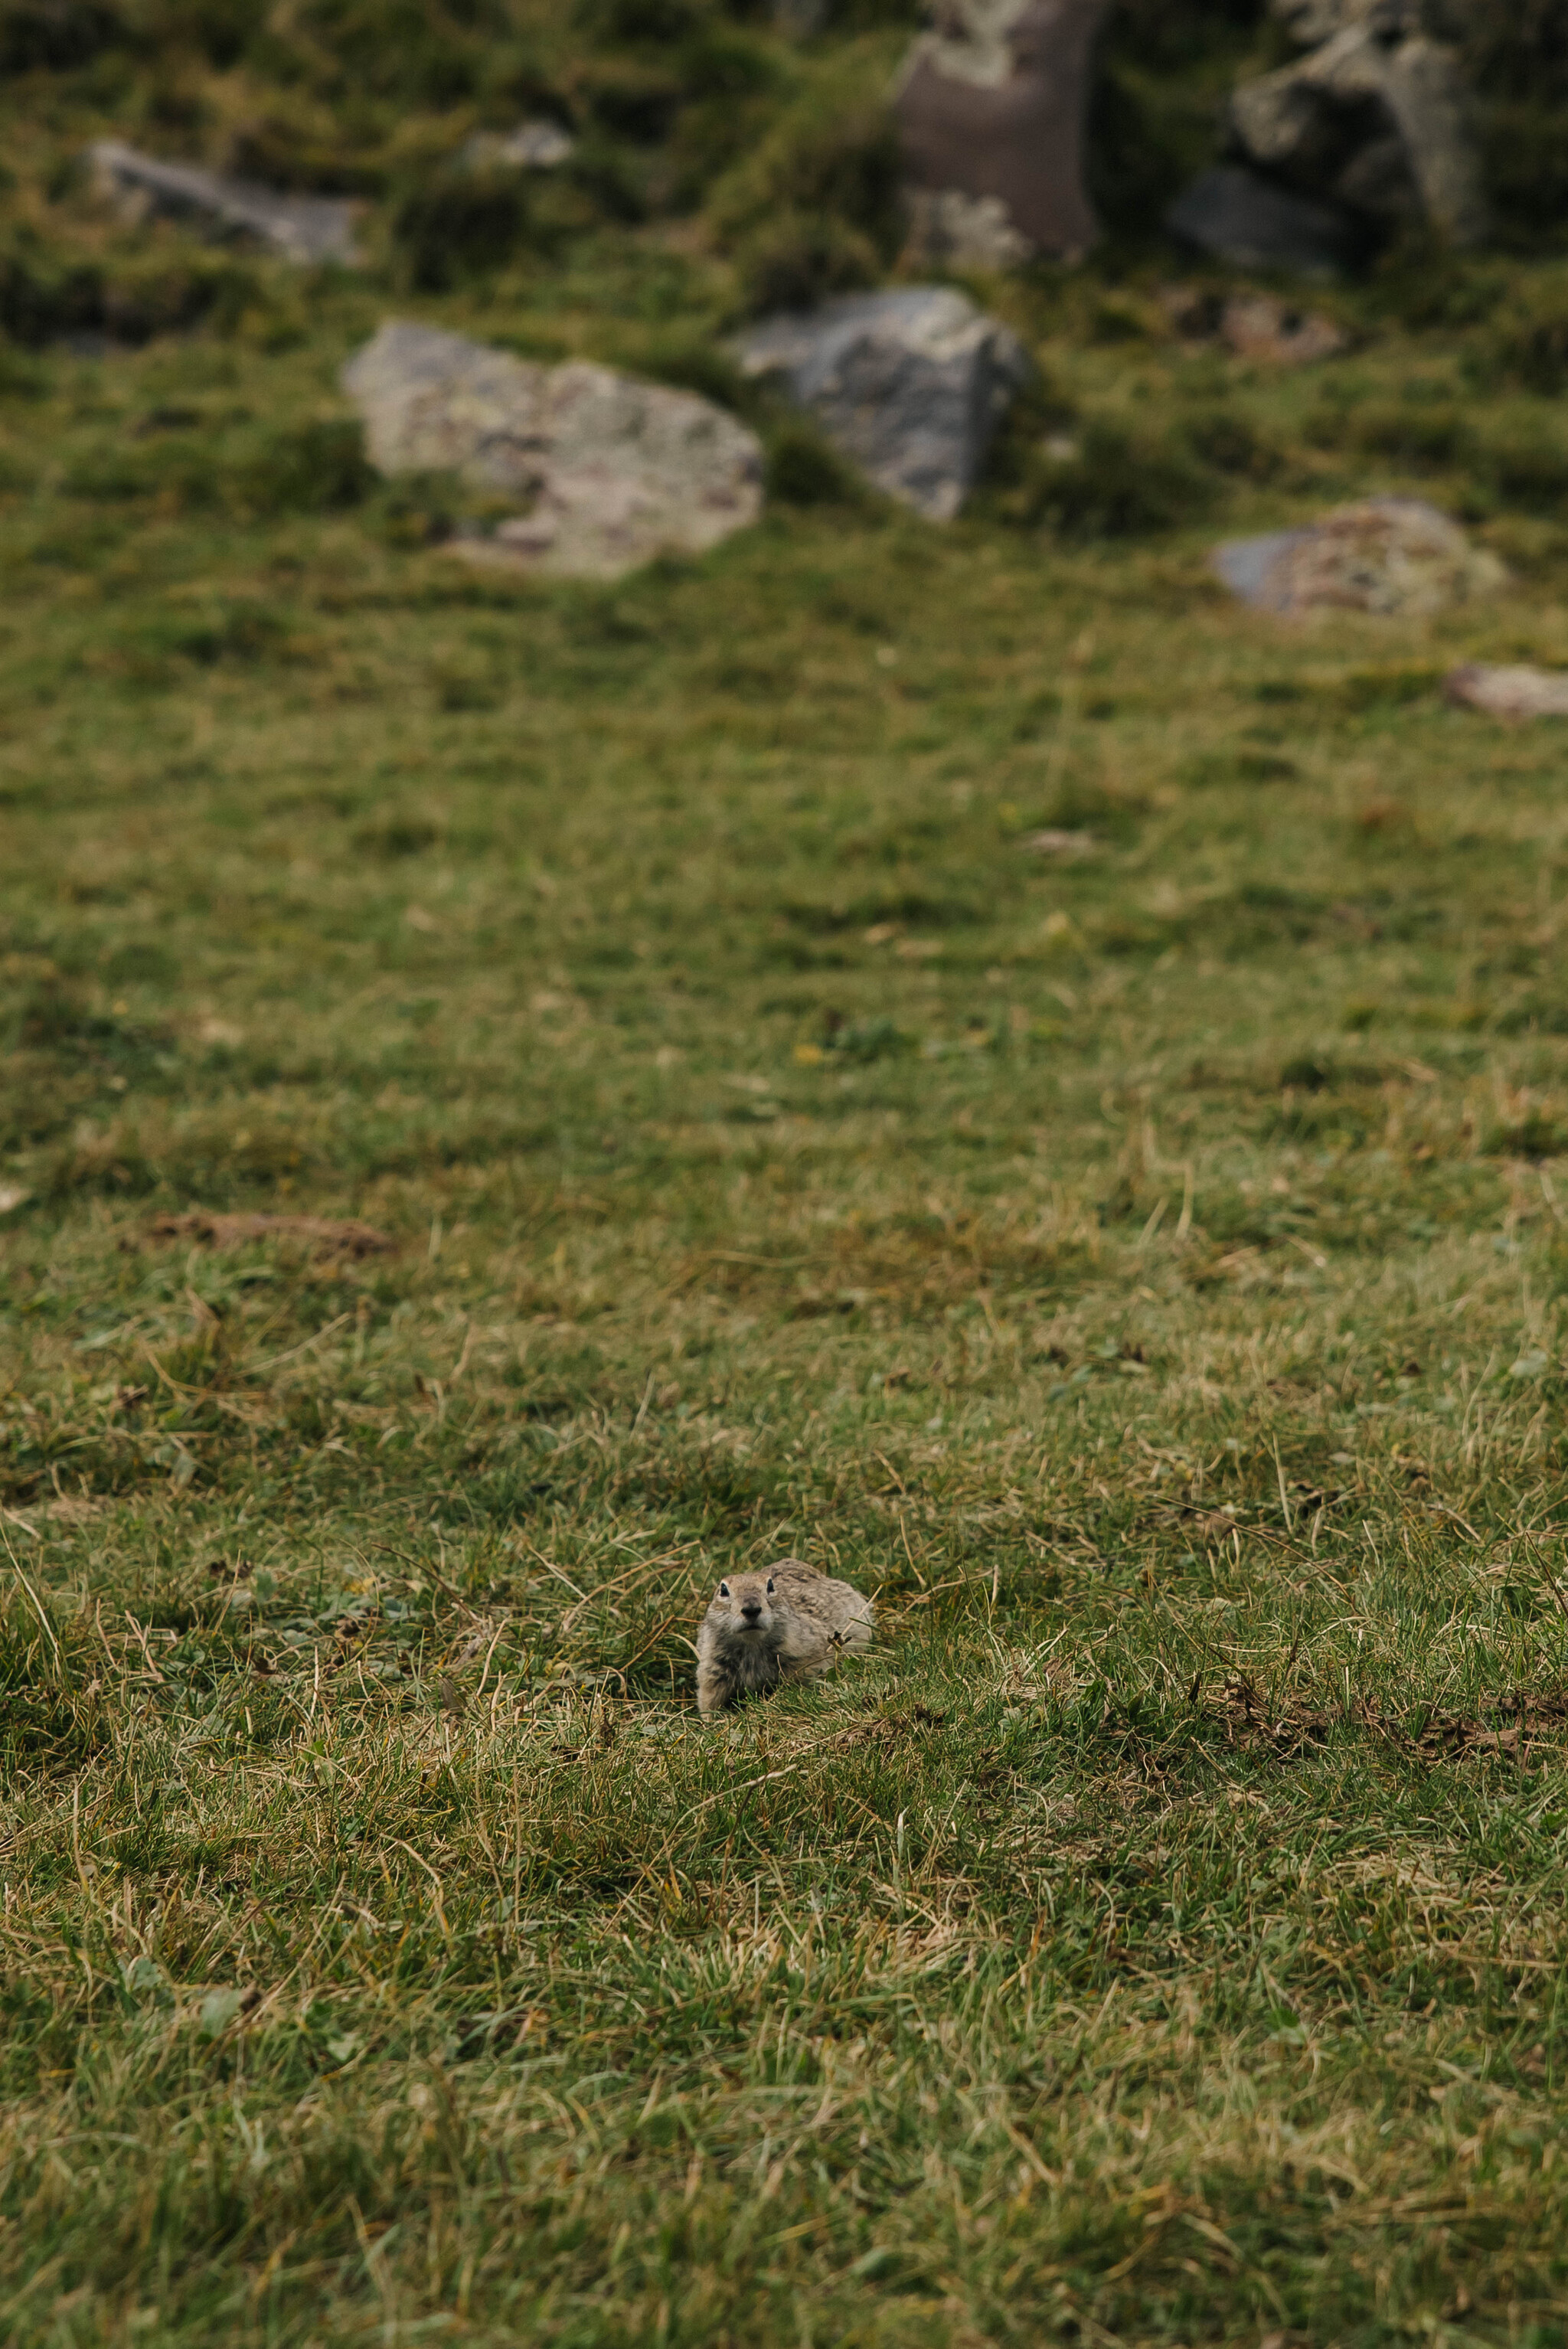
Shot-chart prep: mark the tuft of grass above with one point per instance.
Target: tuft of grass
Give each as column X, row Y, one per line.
column 468, row 224
column 804, row 470
column 1112, row 482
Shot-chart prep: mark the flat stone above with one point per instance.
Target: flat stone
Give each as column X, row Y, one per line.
column 1055, row 842
column 300, row 228
column 1394, row 556
column 991, row 109
column 909, row 385
column 1235, row 216
column 612, row 471
column 1512, row 693
column 540, row 146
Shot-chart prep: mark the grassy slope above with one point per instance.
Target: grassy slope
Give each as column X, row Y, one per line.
column 1143, row 1271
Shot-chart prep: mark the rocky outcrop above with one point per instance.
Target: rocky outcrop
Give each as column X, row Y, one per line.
column 991, row 113
column 612, row 471
column 1372, row 119
column 1396, row 556
column 909, row 385
column 300, row 228
column 1512, row 693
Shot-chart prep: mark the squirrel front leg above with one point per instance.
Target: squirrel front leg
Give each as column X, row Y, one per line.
column 712, row 1689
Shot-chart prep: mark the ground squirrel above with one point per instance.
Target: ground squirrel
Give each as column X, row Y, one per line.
column 787, row 1623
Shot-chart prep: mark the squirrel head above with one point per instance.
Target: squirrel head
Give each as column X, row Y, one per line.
column 745, row 1601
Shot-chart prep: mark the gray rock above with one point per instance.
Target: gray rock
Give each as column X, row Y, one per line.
column 910, row 386
column 1055, row 842
column 540, row 146
column 1247, row 565
column 301, row 228
column 613, row 472
column 1374, row 117
column 1394, row 557
column 991, row 111
column 1236, row 217
column 1511, row 693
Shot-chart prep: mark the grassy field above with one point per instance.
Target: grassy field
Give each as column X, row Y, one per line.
column 1138, row 1259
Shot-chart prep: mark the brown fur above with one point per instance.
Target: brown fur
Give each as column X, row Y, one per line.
column 786, row 1623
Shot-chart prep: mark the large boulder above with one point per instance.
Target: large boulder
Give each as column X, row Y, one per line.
column 300, row 228
column 1374, row 118
column 1394, row 557
column 613, row 472
column 991, row 111
column 909, row 385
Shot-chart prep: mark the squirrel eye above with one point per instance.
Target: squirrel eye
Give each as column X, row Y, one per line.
column 724, row 1589
column 770, row 1586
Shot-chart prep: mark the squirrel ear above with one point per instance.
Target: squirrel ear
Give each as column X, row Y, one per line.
column 724, row 1589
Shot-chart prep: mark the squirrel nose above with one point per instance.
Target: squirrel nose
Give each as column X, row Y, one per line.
column 751, row 1609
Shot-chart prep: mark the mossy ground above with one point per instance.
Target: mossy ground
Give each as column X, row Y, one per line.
column 1140, row 1262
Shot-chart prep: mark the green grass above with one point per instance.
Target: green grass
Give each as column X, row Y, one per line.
column 1143, row 1268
